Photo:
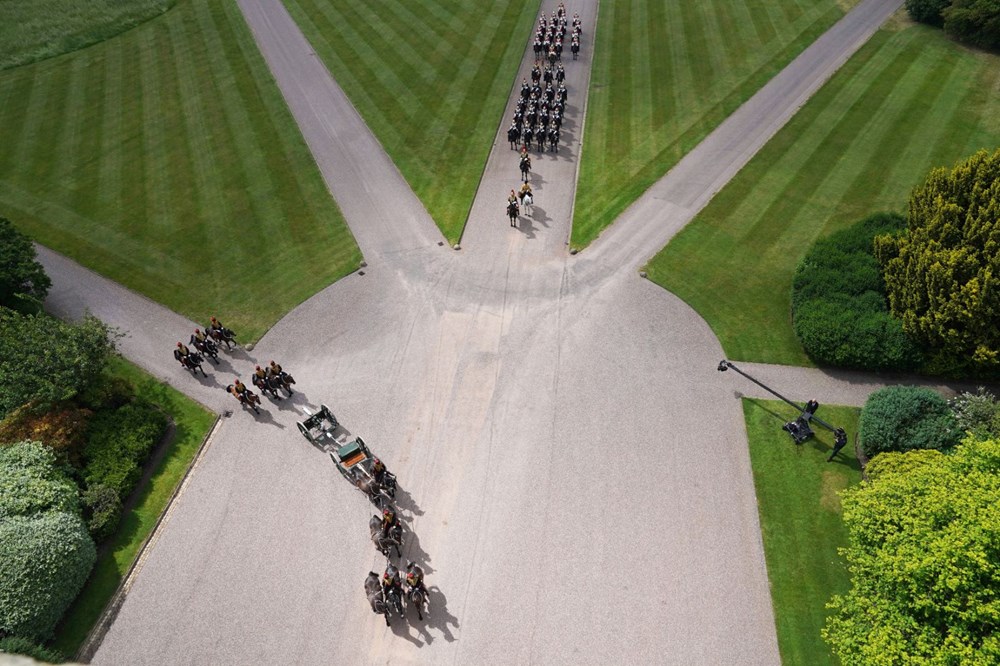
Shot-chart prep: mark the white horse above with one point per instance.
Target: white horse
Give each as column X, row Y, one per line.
column 526, row 202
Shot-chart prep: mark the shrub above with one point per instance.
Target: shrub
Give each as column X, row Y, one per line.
column 44, row 561
column 23, row 282
column 63, row 429
column 104, row 510
column 107, row 392
column 118, row 442
column 29, row 648
column 32, row 483
column 977, row 413
column 839, row 309
column 902, row 418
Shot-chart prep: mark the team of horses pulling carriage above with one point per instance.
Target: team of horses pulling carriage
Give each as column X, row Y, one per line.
column 356, row 463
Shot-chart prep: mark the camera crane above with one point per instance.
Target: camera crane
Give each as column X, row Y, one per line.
column 801, row 428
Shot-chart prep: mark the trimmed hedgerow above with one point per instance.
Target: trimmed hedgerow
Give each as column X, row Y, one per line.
column 29, row 648
column 839, row 308
column 118, row 443
column 903, row 418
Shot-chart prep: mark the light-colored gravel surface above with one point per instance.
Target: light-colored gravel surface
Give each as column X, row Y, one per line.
column 576, row 476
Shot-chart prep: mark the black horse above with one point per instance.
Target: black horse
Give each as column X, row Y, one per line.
column 223, row 335
column 512, row 212
column 190, row 361
column 247, row 398
column 373, row 590
column 207, row 347
column 575, row 48
column 525, row 168
column 267, row 384
column 384, row 542
column 553, row 139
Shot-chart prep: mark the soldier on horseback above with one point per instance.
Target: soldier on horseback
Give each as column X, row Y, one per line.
column 182, row 352
column 239, row 388
column 391, row 581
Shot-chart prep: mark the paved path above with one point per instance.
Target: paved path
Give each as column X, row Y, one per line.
column 557, row 424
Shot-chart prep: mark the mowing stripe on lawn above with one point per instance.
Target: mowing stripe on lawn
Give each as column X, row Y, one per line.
column 166, row 159
column 907, row 102
column 706, row 58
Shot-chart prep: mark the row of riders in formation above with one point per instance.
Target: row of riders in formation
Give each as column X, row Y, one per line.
column 387, row 593
column 551, row 33
column 538, row 116
column 270, row 379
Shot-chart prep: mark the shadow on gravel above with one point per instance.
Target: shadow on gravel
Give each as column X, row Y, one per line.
column 405, row 501
column 539, row 215
column 439, row 618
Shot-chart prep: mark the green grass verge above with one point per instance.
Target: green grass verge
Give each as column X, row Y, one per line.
column 908, row 101
column 800, row 520
column 32, row 30
column 166, row 159
column 431, row 78
column 192, row 422
column 665, row 74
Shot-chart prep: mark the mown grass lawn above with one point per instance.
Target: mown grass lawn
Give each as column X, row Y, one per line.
column 32, row 30
column 665, row 74
column 192, row 422
column 430, row 78
column 166, row 159
column 800, row 519
column 908, row 101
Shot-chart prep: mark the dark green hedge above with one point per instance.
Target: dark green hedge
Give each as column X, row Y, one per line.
column 118, row 443
column 27, row 647
column 839, row 308
column 903, row 418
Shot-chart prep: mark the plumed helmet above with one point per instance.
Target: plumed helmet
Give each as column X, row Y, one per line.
column 179, row 344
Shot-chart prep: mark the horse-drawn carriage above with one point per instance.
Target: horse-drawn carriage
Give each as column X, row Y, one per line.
column 351, row 456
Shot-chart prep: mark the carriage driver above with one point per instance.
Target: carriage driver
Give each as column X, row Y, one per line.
column 378, row 470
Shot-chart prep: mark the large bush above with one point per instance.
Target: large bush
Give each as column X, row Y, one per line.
column 839, row 308
column 45, row 551
column 18, row 645
column 47, row 361
column 901, row 418
column 975, row 22
column 927, row 11
column 977, row 414
column 44, row 561
column 941, row 274
column 924, row 556
column 23, row 282
column 104, row 511
column 118, row 442
column 32, row 483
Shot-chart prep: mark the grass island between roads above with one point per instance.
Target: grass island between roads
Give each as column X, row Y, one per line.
column 908, row 101
column 166, row 159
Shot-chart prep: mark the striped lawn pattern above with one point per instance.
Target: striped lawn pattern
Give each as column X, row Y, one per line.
column 32, row 30
column 909, row 101
column 166, row 159
column 667, row 72
column 431, row 78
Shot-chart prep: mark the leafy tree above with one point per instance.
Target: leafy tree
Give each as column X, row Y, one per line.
column 62, row 429
column 46, row 361
column 23, row 282
column 924, row 556
column 927, row 11
column 900, row 418
column 942, row 274
column 975, row 22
